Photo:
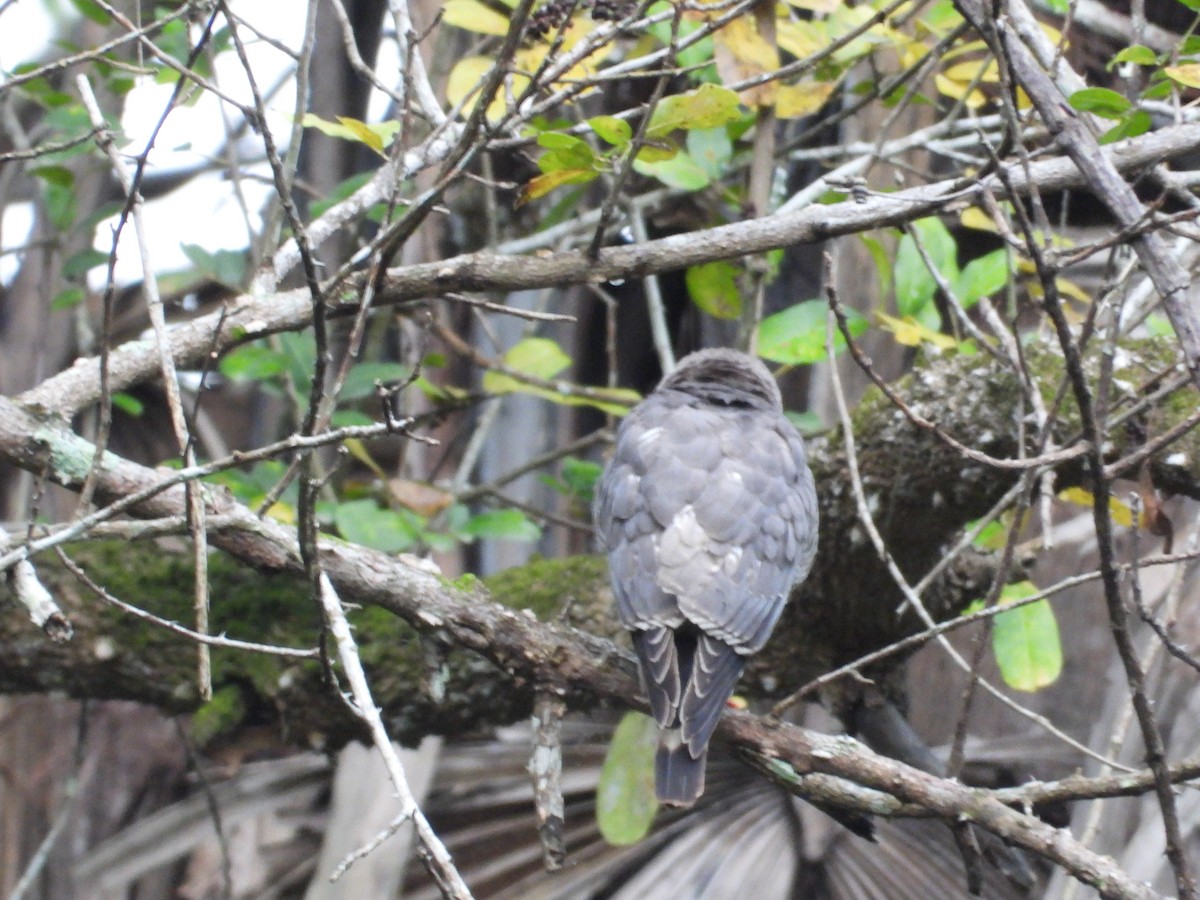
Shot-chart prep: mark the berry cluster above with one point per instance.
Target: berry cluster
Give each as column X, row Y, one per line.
column 554, row 14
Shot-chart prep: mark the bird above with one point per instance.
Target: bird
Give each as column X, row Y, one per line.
column 707, row 511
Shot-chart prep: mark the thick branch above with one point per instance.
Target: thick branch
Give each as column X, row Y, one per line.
column 247, row 317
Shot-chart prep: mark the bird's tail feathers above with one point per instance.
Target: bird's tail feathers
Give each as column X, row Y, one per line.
column 678, row 775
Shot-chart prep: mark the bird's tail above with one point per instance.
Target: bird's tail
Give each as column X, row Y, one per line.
column 678, row 775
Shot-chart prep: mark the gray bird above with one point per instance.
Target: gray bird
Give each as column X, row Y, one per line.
column 708, row 513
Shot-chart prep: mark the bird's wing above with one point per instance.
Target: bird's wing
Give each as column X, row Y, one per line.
column 731, row 555
column 642, row 489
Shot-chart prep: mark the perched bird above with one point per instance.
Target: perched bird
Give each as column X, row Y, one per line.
column 708, row 513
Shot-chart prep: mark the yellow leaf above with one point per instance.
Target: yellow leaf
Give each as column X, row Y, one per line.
column 795, row 100
column 530, row 59
column 740, row 52
column 464, row 81
column 801, row 39
column 911, row 333
column 362, row 132
column 465, row 77
column 359, row 451
column 1071, row 289
column 543, row 184
column 1120, row 511
column 282, row 512
column 974, row 217
column 1187, row 74
column 474, row 16
column 957, row 90
column 966, row 72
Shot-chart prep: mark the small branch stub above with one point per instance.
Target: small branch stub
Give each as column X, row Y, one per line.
column 545, row 768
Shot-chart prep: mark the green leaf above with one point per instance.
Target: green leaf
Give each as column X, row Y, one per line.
column 79, row 264
column 1137, row 54
column 1026, row 640
column 693, row 55
column 536, row 357
column 92, row 11
column 711, row 149
column 56, row 175
column 542, row 358
column 883, row 265
column 982, row 277
column 713, row 287
column 679, row 171
column 1102, row 102
column 511, row 524
column 364, row 522
column 128, row 404
column 611, row 130
column 915, row 284
column 61, row 206
column 360, row 380
column 1137, row 122
column 556, row 140
column 581, row 475
column 565, row 151
column 796, row 335
column 1158, row 325
column 67, row 299
column 625, row 801
column 708, row 106
column 252, row 362
column 227, row 267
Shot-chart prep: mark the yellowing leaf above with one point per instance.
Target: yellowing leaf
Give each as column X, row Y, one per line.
column 359, row 451
column 472, row 15
column 974, row 217
column 708, row 106
column 966, row 72
column 465, row 77
column 1071, row 289
column 376, row 136
column 957, row 90
column 1120, row 511
column 543, row 184
column 795, row 100
column 1187, row 74
column 911, row 333
column 741, row 52
column 282, row 512
column 801, row 39
column 464, row 82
